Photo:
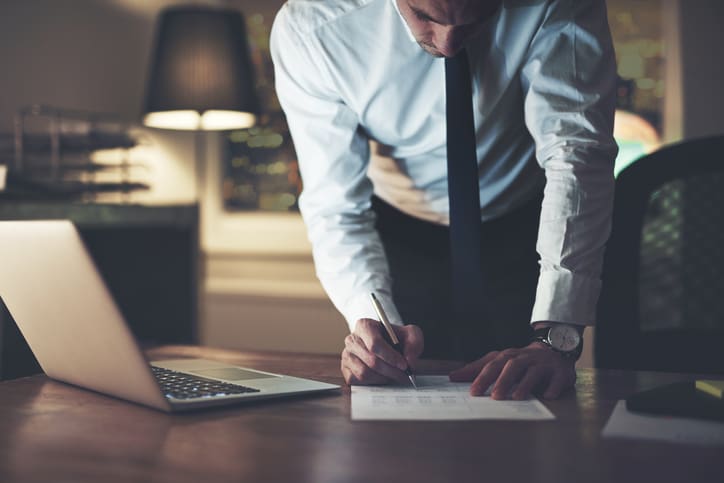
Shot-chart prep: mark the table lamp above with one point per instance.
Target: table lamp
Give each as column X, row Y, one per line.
column 201, row 75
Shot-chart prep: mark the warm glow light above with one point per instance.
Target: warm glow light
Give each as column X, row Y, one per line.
column 188, row 120
column 109, row 156
column 226, row 120
column 185, row 120
column 3, row 176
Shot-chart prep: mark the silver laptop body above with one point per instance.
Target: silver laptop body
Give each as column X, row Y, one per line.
column 61, row 305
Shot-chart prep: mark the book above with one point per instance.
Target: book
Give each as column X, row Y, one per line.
column 715, row 388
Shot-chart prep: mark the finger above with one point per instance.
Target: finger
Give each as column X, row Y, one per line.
column 512, row 372
column 345, row 367
column 467, row 372
column 488, row 375
column 370, row 331
column 355, row 345
column 562, row 379
column 357, row 372
column 412, row 341
column 471, row 370
column 534, row 377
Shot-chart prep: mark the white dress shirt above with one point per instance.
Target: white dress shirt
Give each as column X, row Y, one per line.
column 349, row 75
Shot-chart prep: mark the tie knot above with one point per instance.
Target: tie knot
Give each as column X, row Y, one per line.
column 457, row 75
column 458, row 63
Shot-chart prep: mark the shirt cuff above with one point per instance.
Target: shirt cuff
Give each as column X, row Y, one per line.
column 566, row 298
column 360, row 307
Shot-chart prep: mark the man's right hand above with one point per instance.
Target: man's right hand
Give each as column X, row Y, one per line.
column 367, row 358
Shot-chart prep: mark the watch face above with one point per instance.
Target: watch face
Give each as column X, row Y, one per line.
column 564, row 338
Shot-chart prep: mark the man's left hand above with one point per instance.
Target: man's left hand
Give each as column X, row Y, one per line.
column 518, row 372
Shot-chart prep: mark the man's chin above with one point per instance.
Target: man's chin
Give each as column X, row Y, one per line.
column 430, row 49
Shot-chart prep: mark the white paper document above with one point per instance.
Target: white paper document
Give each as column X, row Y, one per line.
column 625, row 424
column 438, row 399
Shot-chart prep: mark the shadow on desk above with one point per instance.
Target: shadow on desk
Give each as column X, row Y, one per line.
column 16, row 358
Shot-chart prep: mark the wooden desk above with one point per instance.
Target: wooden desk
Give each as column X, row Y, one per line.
column 50, row 432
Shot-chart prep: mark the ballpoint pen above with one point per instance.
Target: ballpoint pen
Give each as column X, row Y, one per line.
column 391, row 333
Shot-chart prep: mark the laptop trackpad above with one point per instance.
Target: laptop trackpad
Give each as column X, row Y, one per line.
column 231, row 374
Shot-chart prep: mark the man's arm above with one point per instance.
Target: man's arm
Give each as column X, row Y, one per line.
column 569, row 81
column 335, row 204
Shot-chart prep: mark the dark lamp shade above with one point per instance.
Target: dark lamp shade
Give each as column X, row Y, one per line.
column 201, row 77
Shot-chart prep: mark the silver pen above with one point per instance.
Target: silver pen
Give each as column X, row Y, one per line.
column 395, row 342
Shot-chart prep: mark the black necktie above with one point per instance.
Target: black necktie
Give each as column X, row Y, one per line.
column 464, row 196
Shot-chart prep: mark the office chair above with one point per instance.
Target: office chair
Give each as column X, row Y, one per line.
column 662, row 302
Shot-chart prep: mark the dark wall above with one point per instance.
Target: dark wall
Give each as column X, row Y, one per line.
column 702, row 41
column 85, row 54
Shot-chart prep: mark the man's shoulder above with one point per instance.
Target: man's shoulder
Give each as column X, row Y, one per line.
column 308, row 15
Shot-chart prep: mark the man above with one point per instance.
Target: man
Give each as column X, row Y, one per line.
column 543, row 74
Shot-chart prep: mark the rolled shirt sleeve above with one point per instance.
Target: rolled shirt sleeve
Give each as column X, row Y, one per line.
column 569, row 83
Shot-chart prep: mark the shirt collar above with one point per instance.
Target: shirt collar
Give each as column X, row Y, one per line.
column 404, row 22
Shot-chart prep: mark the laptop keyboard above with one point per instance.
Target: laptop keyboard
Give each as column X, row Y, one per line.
column 178, row 385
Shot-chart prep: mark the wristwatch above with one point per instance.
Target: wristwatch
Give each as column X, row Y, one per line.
column 563, row 338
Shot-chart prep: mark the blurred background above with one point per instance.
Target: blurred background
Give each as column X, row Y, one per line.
column 219, row 217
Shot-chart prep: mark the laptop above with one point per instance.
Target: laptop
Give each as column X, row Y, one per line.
column 61, row 305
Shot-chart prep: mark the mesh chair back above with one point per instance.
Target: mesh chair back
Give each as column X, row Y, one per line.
column 662, row 302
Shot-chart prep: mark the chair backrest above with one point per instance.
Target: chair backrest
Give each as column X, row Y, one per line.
column 662, row 301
